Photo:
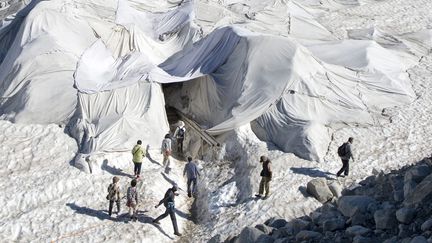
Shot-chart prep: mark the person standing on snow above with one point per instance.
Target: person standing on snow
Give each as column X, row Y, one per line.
column 345, row 153
column 138, row 155
column 166, row 150
column 132, row 200
column 180, row 134
column 266, row 176
column 192, row 174
column 168, row 202
column 114, row 195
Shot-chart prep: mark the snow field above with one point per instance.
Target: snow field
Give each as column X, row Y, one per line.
column 45, row 198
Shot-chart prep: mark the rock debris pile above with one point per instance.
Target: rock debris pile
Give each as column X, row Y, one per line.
column 393, row 207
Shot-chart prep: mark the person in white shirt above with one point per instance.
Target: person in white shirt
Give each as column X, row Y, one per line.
column 166, row 150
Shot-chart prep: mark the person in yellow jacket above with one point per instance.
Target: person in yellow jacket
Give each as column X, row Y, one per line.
column 138, row 155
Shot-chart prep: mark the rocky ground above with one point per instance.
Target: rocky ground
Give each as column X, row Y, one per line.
column 393, row 207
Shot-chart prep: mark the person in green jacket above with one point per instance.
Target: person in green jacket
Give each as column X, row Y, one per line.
column 138, row 155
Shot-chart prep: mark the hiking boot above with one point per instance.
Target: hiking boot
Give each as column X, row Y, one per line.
column 258, row 195
column 155, row 222
column 189, row 194
column 177, row 233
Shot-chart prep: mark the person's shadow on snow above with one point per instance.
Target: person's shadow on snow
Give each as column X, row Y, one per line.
column 312, row 172
column 113, row 170
column 183, row 215
column 148, row 156
column 143, row 218
column 100, row 214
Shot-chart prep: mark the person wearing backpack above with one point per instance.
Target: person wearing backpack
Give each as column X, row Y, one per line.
column 138, row 155
column 192, row 173
column 168, row 202
column 166, row 150
column 180, row 134
column 266, row 176
column 132, row 200
column 113, row 196
column 345, row 153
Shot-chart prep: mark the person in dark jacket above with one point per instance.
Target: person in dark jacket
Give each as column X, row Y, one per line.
column 114, row 195
column 192, row 173
column 345, row 157
column 266, row 176
column 180, row 134
column 168, row 202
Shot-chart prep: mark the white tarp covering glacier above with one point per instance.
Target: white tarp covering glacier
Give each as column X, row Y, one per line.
column 97, row 65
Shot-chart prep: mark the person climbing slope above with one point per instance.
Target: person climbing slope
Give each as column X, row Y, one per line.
column 168, row 202
column 192, row 174
column 132, row 200
column 114, row 195
column 138, row 155
column 345, row 153
column 266, row 176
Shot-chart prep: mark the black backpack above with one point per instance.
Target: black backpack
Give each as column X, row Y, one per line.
column 181, row 133
column 342, row 151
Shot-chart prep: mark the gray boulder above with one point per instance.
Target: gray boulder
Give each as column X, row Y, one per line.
column 361, row 218
column 319, row 218
column 265, row 239
column 427, row 225
column 385, row 219
column 405, row 215
column 422, row 193
column 404, row 231
column 298, row 225
column 336, row 189
column 405, row 240
column 319, row 189
column 417, row 173
column 361, row 239
column 409, row 187
column 419, row 239
column 249, row 234
column 264, row 228
column 316, row 217
column 396, row 181
column 398, row 195
column 278, row 223
column 349, row 205
column 357, row 230
column 393, row 239
column 283, row 240
column 283, row 232
column 333, row 224
column 306, row 235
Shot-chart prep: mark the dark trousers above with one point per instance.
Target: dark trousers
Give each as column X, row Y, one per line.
column 191, row 183
column 137, row 168
column 171, row 212
column 345, row 168
column 111, row 204
column 180, row 144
